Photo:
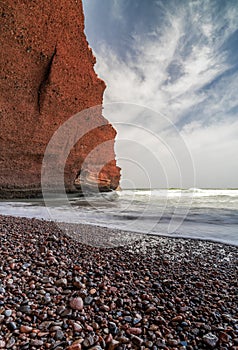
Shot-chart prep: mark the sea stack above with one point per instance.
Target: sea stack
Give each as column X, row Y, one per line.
column 47, row 76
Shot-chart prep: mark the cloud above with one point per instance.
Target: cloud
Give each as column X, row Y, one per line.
column 214, row 151
column 182, row 68
column 116, row 11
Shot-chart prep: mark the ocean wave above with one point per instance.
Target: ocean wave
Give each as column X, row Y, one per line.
column 206, row 213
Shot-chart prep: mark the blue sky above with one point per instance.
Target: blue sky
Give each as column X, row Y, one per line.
column 178, row 58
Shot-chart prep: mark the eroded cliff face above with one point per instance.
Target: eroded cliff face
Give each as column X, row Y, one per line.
column 47, row 76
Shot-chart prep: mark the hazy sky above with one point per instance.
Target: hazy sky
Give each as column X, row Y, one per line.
column 174, row 65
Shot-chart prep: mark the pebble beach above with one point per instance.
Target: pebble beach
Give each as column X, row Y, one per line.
column 151, row 293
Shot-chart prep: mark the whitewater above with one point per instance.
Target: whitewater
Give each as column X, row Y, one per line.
column 207, row 214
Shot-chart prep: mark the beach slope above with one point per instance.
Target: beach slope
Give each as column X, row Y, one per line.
column 57, row 293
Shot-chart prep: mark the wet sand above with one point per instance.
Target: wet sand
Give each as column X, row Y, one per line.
column 152, row 293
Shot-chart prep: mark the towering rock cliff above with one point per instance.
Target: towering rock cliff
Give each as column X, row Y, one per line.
column 47, row 76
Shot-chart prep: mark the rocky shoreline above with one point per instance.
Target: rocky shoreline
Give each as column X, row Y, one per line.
column 163, row 293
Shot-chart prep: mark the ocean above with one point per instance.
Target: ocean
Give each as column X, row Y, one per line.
column 207, row 214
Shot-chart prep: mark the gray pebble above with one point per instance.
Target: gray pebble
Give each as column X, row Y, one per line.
column 8, row 313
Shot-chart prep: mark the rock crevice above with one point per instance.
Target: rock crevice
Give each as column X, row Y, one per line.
column 45, row 81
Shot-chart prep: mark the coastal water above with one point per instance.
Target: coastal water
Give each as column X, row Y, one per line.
column 210, row 214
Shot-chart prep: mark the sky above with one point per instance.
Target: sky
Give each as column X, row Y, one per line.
column 171, row 71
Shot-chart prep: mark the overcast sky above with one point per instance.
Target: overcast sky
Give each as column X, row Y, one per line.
column 174, row 65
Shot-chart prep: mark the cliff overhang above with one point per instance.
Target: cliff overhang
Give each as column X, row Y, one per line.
column 47, row 76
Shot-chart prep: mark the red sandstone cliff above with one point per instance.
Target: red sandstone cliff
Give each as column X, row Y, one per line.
column 47, row 76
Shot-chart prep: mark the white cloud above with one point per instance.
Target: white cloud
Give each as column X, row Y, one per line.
column 146, row 78
column 214, row 151
column 116, row 11
column 161, row 76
